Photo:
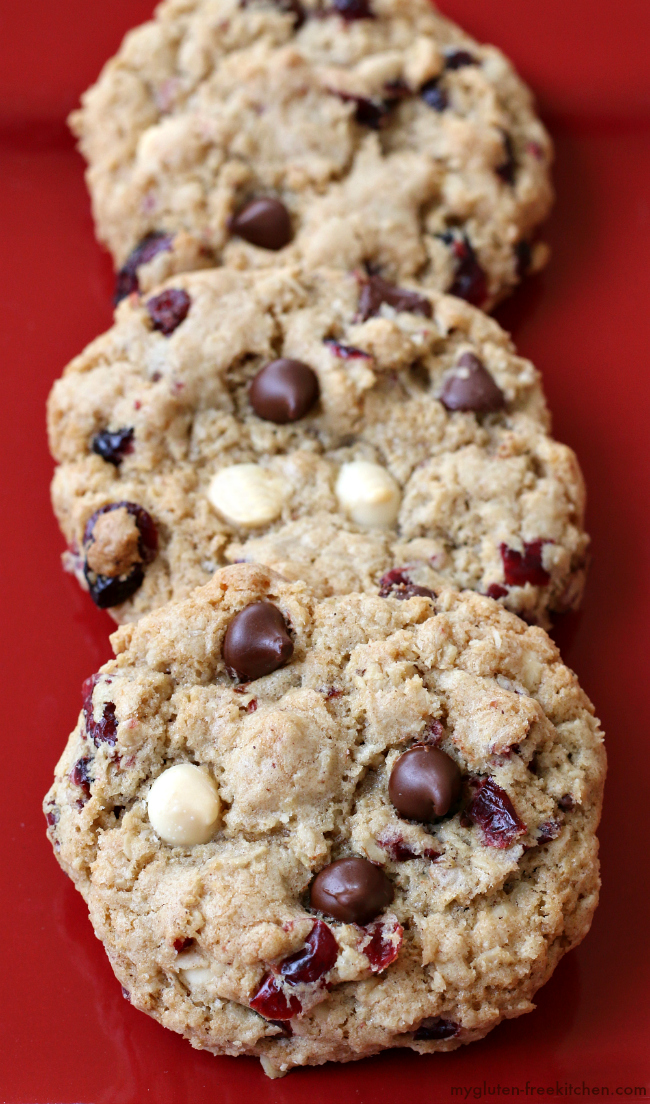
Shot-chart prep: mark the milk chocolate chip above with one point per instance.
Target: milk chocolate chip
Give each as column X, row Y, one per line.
column 352, row 890
column 284, row 391
column 471, row 387
column 264, row 222
column 257, row 641
column 424, row 783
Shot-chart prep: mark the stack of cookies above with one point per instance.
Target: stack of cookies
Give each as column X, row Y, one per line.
column 337, row 791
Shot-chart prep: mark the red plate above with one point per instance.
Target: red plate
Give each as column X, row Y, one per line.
column 67, row 1034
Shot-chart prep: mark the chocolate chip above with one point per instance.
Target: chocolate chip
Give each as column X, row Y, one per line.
column 523, row 258
column 353, row 9
column 264, row 222
column 434, row 96
column 375, row 291
column 424, row 783
column 257, row 641
column 168, row 309
column 284, row 391
column 470, row 281
column 471, row 387
column 352, row 890
column 458, row 59
column 113, row 446
column 127, row 278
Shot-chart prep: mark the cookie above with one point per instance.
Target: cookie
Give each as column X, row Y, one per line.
column 350, row 433
column 384, row 836
column 362, row 132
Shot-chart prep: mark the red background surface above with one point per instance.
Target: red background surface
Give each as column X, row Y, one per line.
column 66, row 1033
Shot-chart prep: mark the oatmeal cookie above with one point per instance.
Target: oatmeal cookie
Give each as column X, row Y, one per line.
column 343, row 431
column 311, row 829
column 360, row 132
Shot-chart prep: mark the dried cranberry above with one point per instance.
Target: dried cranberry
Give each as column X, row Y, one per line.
column 285, row 1027
column 399, row 850
column 332, row 692
column 105, row 729
column 127, row 278
column 168, row 309
column 353, row 9
column 434, row 732
column 508, row 167
column 80, row 775
column 113, row 446
column 434, row 96
column 548, row 831
column 495, row 590
column 181, row 944
column 252, row 705
column 469, row 281
column 108, row 590
column 521, row 568
column 375, row 291
column 316, row 958
column 345, row 352
column 273, row 1003
column 436, row 1028
column 384, row 944
column 493, row 811
column 458, row 59
column 52, row 818
column 126, row 994
column 396, row 584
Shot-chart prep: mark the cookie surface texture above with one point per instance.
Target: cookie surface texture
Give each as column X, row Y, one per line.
column 378, row 134
column 240, row 848
column 418, row 454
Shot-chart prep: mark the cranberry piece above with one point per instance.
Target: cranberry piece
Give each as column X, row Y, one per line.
column 521, row 568
column 508, row 167
column 52, row 818
column 126, row 994
column 469, row 281
column 272, row 1002
column 434, row 96
column 105, row 729
column 492, row 810
column 80, row 775
column 396, row 584
column 345, row 352
column 548, row 831
column 285, row 1027
column 495, row 590
column 112, row 590
column 399, row 850
column 370, row 113
column 567, row 803
column 434, row 732
column 458, row 59
column 127, row 278
column 353, row 9
column 375, row 291
column 182, row 944
column 316, row 958
column 168, row 309
column 436, row 1028
column 113, row 446
column 384, row 944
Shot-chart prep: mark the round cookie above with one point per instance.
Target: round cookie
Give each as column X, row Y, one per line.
column 244, row 847
column 423, row 458
column 368, row 132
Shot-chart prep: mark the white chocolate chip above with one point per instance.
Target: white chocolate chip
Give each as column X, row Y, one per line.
column 368, row 494
column 183, row 806
column 246, row 494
